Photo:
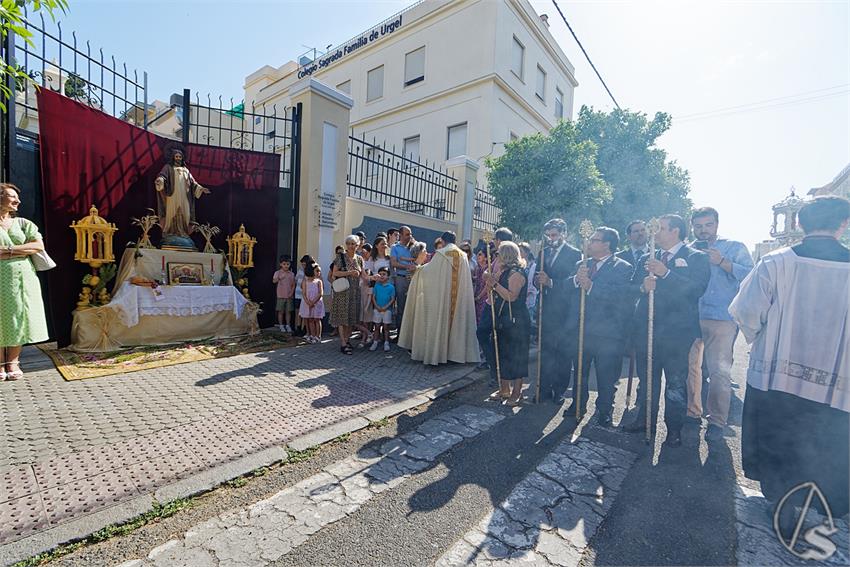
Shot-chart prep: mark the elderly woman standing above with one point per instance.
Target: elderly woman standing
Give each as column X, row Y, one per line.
column 22, row 318
column 345, row 307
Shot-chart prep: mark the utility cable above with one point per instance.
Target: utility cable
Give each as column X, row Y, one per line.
column 586, row 56
column 761, row 102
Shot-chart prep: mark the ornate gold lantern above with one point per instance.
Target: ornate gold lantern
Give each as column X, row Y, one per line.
column 240, row 249
column 240, row 256
column 94, row 239
column 94, row 247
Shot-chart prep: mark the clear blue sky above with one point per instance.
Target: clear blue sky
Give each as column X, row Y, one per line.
column 684, row 58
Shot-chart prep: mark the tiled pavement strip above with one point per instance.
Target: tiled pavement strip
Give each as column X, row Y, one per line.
column 267, row 530
column 76, row 456
column 552, row 514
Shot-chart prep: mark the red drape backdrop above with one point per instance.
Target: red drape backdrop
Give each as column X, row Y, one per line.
column 90, row 158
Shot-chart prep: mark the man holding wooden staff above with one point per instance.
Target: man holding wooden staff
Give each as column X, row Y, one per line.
column 679, row 276
column 609, row 302
column 557, row 348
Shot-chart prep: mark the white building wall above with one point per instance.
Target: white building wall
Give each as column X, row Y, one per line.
column 467, row 78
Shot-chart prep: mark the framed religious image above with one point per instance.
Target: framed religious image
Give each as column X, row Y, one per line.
column 182, row 273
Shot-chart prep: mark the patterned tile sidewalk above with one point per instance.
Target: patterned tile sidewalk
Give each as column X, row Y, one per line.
column 71, row 449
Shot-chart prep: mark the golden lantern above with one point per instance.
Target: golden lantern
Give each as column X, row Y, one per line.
column 94, row 240
column 240, row 249
column 94, row 247
column 240, row 256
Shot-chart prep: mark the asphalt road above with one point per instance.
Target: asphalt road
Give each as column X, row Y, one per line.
column 675, row 506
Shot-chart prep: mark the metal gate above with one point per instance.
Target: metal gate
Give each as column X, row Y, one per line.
column 53, row 59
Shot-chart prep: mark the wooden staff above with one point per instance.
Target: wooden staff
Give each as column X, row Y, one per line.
column 652, row 227
column 539, row 323
column 493, row 317
column 631, row 377
column 586, row 231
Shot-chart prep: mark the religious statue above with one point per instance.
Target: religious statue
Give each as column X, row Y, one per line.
column 176, row 192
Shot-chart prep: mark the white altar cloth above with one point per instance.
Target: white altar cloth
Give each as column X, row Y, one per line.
column 133, row 301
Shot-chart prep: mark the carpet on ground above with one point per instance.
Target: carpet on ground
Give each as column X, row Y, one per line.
column 82, row 365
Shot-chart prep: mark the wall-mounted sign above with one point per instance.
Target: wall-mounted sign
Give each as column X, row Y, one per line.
column 378, row 32
column 328, row 211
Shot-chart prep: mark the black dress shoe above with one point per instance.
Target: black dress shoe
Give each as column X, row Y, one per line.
column 674, row 439
column 603, row 420
column 713, row 433
column 571, row 411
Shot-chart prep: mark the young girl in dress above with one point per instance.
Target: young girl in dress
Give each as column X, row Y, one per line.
column 312, row 308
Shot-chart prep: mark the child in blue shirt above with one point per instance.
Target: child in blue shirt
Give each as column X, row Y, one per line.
column 383, row 299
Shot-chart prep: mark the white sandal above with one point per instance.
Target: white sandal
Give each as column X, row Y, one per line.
column 15, row 374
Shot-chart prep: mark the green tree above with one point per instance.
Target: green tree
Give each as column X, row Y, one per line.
column 11, row 20
column 644, row 183
column 540, row 177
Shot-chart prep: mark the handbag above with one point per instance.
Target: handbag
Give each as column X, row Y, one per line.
column 341, row 284
column 41, row 260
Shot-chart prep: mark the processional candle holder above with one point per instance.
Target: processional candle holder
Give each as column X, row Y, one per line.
column 94, row 247
column 240, row 256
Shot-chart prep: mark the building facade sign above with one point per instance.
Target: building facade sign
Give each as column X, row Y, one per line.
column 378, row 32
column 328, row 211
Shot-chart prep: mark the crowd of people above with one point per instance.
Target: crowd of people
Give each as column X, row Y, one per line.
column 490, row 302
column 792, row 306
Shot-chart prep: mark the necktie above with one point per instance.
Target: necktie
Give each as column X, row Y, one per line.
column 593, row 269
column 665, row 257
column 547, row 261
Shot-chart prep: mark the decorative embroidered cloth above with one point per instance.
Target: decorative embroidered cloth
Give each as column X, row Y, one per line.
column 131, row 302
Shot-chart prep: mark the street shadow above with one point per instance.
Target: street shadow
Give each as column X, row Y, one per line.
column 364, row 378
column 679, row 505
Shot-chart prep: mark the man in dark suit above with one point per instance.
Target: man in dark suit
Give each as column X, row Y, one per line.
column 559, row 348
column 609, row 303
column 636, row 247
column 679, row 275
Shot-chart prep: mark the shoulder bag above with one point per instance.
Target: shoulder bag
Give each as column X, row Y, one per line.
column 41, row 260
column 341, row 284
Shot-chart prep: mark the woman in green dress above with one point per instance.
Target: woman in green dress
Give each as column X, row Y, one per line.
column 22, row 318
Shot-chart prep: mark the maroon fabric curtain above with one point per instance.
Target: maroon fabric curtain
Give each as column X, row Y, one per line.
column 90, row 158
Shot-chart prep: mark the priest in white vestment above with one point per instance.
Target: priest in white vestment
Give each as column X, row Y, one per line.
column 794, row 310
column 439, row 319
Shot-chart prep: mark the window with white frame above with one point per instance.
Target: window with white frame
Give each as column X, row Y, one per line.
column 517, row 57
column 411, row 150
column 559, row 104
column 540, row 90
column 344, row 87
column 375, row 84
column 456, row 145
column 414, row 66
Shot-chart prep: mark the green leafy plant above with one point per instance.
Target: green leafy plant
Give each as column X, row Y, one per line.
column 12, row 21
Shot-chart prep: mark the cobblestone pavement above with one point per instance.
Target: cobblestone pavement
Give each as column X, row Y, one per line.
column 69, row 449
column 269, row 529
column 552, row 514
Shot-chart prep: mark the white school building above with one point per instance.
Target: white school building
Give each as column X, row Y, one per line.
column 441, row 79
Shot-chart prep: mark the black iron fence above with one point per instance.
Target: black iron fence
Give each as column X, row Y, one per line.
column 485, row 213
column 380, row 175
column 56, row 60
column 244, row 127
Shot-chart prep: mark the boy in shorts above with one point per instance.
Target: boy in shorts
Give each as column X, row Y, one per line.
column 285, row 280
column 383, row 299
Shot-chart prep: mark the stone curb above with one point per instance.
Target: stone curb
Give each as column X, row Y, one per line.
column 208, row 479
column 321, row 436
column 74, row 530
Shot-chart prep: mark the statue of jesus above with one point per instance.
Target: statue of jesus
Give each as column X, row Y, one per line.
column 176, row 191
